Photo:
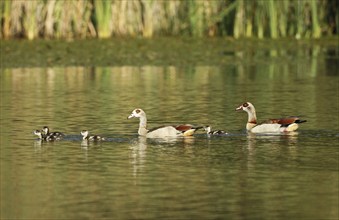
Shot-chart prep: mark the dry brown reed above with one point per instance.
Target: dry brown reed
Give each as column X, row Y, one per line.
column 149, row 18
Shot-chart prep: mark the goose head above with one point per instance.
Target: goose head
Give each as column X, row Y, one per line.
column 137, row 113
column 252, row 117
column 247, row 107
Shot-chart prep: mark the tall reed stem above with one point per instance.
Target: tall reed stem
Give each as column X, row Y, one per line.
column 315, row 23
column 5, row 24
column 103, row 17
column 273, row 19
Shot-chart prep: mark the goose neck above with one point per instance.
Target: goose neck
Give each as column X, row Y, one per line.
column 252, row 118
column 143, row 126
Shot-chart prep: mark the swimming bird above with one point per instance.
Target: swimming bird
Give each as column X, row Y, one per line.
column 42, row 137
column 38, row 133
column 209, row 131
column 86, row 136
column 162, row 131
column 52, row 135
column 269, row 126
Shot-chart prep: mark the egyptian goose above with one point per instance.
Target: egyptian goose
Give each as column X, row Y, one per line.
column 86, row 136
column 52, row 135
column 209, row 131
column 163, row 131
column 271, row 125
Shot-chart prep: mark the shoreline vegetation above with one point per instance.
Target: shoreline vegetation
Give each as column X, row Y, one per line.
column 84, row 19
column 164, row 51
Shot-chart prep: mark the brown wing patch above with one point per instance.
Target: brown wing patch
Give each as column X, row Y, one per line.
column 183, row 127
column 282, row 121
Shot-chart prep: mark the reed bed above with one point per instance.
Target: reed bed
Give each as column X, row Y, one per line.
column 148, row 18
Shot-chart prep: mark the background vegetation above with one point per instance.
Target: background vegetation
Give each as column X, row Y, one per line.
column 106, row 18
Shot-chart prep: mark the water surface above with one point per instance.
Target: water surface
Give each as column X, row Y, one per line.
column 237, row 176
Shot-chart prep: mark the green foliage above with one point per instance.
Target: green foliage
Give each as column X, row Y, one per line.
column 103, row 17
column 149, row 18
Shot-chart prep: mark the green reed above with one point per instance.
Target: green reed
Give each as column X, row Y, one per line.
column 196, row 17
column 103, row 17
column 30, row 20
column 149, row 18
column 273, row 18
column 315, row 20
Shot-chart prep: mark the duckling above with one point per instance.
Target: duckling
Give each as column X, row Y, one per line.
column 39, row 134
column 86, row 136
column 52, row 135
column 43, row 137
column 209, row 131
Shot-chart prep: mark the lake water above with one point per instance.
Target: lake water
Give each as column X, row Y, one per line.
column 237, row 176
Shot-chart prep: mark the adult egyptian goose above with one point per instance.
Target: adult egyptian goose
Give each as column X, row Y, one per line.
column 209, row 131
column 163, row 131
column 271, row 125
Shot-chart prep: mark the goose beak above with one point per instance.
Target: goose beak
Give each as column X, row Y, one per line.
column 239, row 108
column 131, row 116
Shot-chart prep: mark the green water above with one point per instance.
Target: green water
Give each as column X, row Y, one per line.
column 237, row 176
